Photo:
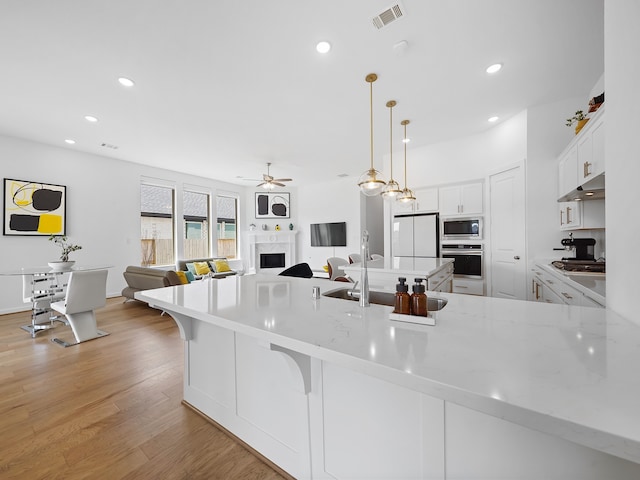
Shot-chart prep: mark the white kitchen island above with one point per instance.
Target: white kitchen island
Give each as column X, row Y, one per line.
column 438, row 272
column 326, row 389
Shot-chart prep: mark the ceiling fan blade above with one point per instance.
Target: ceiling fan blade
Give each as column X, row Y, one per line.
column 282, row 180
column 275, row 182
column 261, row 184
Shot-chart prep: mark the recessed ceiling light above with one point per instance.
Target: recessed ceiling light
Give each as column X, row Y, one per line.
column 323, row 47
column 493, row 119
column 589, row 194
column 69, row 141
column 90, row 118
column 125, row 82
column 494, row 68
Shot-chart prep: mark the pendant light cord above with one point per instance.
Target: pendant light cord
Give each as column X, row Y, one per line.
column 405, row 153
column 371, row 120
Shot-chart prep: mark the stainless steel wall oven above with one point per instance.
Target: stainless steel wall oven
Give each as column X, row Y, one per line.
column 468, row 259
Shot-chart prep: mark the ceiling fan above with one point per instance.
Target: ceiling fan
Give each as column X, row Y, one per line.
column 269, row 182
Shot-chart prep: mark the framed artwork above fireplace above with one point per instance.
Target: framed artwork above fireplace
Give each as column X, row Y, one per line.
column 273, row 205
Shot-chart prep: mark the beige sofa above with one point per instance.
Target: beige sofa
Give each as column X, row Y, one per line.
column 146, row 278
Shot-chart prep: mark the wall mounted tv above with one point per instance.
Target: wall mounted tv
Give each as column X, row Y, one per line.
column 329, row 234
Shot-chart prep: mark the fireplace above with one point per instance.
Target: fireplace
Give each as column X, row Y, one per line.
column 272, row 260
column 269, row 247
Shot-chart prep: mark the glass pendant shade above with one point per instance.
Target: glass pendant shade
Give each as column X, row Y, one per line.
column 391, row 190
column 406, row 196
column 371, row 182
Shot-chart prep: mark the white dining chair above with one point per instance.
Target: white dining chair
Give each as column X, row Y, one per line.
column 333, row 264
column 87, row 291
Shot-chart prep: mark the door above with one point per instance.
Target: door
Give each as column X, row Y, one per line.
column 508, row 263
column 402, row 236
column 425, row 236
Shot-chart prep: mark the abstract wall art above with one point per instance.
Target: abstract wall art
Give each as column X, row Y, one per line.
column 272, row 205
column 34, row 208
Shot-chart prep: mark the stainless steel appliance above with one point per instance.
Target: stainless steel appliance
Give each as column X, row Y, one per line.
column 416, row 235
column 468, row 259
column 584, row 260
column 462, row 228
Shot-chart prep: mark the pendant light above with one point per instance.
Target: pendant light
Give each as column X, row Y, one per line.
column 407, row 195
column 371, row 182
column 392, row 189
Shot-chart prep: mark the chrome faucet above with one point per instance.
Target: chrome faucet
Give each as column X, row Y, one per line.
column 364, row 273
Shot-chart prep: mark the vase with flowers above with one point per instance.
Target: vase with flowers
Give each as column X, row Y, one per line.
column 66, row 248
column 580, row 119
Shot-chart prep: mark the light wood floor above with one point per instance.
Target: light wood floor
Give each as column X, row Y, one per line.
column 108, row 408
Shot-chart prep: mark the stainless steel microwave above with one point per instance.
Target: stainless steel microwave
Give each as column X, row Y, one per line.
column 462, row 228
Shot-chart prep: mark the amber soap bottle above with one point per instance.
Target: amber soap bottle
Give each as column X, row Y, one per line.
column 403, row 299
column 419, row 299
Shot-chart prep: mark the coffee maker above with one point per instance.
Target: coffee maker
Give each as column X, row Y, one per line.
column 583, row 247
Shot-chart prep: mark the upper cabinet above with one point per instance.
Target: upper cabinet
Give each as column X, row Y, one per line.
column 582, row 164
column 461, row 200
column 426, row 201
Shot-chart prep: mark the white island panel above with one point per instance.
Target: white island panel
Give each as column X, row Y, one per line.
column 568, row 372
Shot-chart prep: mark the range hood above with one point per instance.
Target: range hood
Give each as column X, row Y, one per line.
column 591, row 190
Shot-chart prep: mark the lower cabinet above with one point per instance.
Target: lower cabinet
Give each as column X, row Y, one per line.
column 468, row 285
column 441, row 281
column 547, row 288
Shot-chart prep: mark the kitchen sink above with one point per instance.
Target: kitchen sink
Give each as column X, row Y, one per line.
column 382, row 298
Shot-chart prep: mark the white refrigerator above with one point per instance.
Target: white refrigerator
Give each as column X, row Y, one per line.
column 416, row 235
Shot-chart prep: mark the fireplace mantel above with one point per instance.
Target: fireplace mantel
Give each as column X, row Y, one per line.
column 265, row 241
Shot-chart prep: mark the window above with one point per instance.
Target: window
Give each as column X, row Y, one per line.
column 226, row 215
column 156, row 225
column 196, row 225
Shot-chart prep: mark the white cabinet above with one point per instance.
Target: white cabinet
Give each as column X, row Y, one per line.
column 441, row 281
column 547, row 288
column 581, row 215
column 568, row 172
column 591, row 152
column 583, row 161
column 426, row 201
column 461, row 199
column 469, row 286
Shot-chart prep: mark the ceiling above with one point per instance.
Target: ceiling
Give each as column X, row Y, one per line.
column 224, row 86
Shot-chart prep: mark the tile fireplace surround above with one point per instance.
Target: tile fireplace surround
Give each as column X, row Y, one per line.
column 283, row 241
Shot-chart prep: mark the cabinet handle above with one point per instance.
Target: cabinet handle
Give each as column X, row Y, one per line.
column 461, row 286
column 586, row 172
column 537, row 291
column 568, row 215
column 561, row 219
column 566, row 295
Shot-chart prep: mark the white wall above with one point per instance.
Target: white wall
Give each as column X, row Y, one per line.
column 337, row 201
column 103, row 210
column 622, row 75
column 465, row 159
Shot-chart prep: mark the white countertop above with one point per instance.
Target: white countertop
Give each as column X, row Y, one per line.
column 591, row 284
column 567, row 371
column 404, row 266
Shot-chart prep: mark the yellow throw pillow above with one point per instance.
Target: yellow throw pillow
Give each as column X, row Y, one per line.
column 202, row 268
column 183, row 277
column 222, row 266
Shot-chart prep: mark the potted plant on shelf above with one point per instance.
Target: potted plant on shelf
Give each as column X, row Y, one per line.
column 66, row 248
column 580, row 119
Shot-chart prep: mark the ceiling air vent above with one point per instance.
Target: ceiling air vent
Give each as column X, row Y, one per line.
column 389, row 15
column 109, row 145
